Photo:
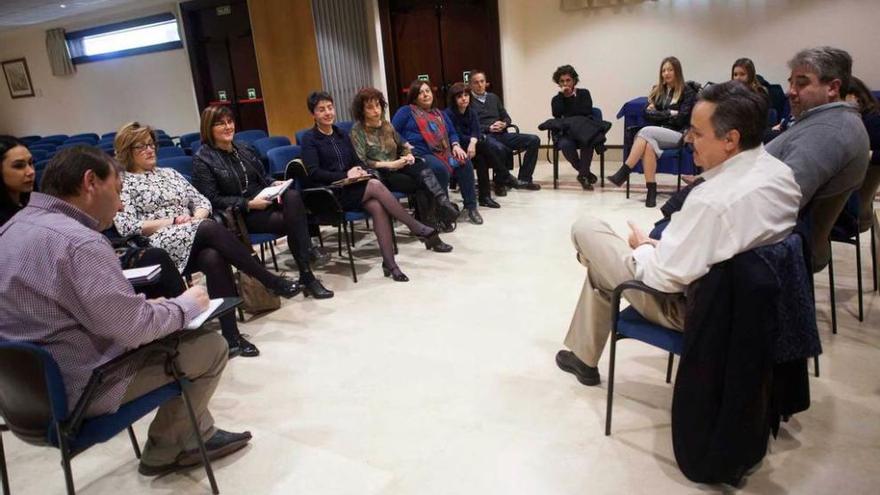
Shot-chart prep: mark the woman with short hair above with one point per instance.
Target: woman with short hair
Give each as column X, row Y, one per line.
column 669, row 110
column 230, row 174
column 572, row 101
column 161, row 205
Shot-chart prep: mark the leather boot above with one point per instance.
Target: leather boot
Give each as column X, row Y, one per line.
column 651, row 200
column 620, row 176
column 445, row 209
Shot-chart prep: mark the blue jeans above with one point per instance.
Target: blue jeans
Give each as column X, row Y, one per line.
column 464, row 173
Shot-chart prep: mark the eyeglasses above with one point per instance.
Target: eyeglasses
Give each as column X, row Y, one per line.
column 141, row 148
column 224, row 123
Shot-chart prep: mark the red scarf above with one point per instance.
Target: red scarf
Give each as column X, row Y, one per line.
column 433, row 130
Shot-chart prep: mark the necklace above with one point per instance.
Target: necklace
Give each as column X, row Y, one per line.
column 246, row 182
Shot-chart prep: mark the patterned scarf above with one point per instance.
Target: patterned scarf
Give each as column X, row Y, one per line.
column 433, row 131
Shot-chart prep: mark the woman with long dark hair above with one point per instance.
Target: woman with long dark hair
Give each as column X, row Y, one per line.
column 17, row 175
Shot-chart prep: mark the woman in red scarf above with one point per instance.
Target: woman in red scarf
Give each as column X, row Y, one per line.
column 433, row 138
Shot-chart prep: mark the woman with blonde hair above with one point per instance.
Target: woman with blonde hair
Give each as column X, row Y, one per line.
column 161, row 205
column 743, row 70
column 669, row 111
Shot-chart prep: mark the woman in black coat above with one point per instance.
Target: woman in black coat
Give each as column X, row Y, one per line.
column 230, row 174
column 571, row 102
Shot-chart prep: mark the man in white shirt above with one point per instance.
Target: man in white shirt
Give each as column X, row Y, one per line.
column 749, row 199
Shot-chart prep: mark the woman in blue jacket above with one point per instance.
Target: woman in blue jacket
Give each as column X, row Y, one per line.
column 433, row 138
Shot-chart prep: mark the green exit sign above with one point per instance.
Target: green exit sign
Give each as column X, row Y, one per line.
column 252, row 93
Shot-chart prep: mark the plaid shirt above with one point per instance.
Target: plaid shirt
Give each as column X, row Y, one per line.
column 61, row 287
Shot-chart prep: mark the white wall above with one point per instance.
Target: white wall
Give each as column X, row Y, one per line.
column 154, row 88
column 617, row 50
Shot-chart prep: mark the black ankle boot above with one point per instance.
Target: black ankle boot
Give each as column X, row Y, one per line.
column 651, row 200
column 313, row 287
column 445, row 209
column 286, row 287
column 620, row 176
column 434, row 243
column 394, row 273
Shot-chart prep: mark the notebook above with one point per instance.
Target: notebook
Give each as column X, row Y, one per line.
column 273, row 192
column 199, row 320
column 143, row 275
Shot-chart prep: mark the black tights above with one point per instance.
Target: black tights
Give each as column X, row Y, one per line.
column 380, row 203
column 289, row 220
column 214, row 251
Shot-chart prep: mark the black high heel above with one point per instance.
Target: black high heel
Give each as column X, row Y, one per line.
column 395, row 274
column 434, row 243
column 317, row 290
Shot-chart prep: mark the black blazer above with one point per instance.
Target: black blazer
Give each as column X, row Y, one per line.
column 579, row 104
column 328, row 158
column 218, row 176
column 663, row 117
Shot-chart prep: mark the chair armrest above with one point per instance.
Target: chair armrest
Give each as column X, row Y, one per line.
column 166, row 345
column 630, row 285
column 512, row 126
column 322, row 203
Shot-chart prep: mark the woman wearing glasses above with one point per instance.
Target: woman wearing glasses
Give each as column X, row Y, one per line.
column 161, row 205
column 230, row 175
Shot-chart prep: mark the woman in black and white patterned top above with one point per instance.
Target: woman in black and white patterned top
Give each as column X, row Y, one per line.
column 160, row 204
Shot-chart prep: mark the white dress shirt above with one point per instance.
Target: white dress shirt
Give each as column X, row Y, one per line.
column 748, row 201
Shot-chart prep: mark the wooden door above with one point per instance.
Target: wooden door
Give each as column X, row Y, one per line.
column 224, row 65
column 441, row 39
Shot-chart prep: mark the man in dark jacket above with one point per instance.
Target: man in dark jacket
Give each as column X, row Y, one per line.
column 493, row 122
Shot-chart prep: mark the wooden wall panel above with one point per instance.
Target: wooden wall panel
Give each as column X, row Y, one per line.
column 287, row 56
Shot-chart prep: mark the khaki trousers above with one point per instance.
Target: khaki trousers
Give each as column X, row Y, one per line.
column 609, row 262
column 202, row 357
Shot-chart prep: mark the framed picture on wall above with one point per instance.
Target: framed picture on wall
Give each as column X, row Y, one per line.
column 18, row 78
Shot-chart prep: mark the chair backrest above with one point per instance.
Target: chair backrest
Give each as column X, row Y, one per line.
column 81, row 140
column 39, row 154
column 823, row 214
column 279, row 158
column 110, row 135
column 187, row 139
column 251, row 135
column 195, row 145
column 345, row 126
column 74, row 143
column 32, row 393
column 169, row 151
column 300, row 134
column 263, row 145
column 597, row 113
column 164, row 141
column 29, row 139
column 43, row 146
column 182, row 164
column 91, row 136
column 56, row 137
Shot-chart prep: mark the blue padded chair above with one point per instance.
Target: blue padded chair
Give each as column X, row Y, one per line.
column 264, row 145
column 599, row 149
column 345, row 126
column 90, row 136
column 106, row 140
column 29, row 139
column 169, row 151
column 81, row 140
column 164, row 142
column 39, row 155
column 279, row 158
column 57, row 138
column 183, row 164
column 250, row 136
column 110, row 135
column 49, row 147
column 324, row 209
column 72, row 144
column 187, row 139
column 629, row 324
column 34, row 406
column 263, row 240
column 194, row 147
column 300, row 134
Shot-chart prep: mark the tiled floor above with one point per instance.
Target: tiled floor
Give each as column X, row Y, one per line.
column 447, row 384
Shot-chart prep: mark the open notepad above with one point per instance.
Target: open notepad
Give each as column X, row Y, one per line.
column 142, row 275
column 199, row 320
column 273, row 192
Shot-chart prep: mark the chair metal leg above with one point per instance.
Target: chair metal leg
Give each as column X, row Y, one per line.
column 874, row 258
column 134, row 442
column 859, row 275
column 393, row 236
column 669, row 368
column 602, row 169
column 339, row 238
column 240, row 315
column 65, row 461
column 608, row 401
column 184, row 393
column 274, row 258
column 4, row 478
column 555, row 168
column 350, row 258
column 627, row 188
column 320, row 237
column 831, row 288
column 816, row 365
column 262, row 254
